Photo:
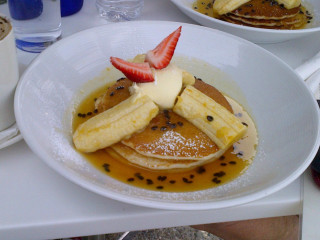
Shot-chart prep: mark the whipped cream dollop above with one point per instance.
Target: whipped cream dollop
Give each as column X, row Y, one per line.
column 166, row 87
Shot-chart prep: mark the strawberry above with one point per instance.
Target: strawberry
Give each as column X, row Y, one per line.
column 160, row 57
column 136, row 72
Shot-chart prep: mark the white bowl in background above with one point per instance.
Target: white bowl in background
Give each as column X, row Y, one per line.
column 256, row 35
column 284, row 110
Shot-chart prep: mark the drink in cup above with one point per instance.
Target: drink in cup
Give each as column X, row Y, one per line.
column 37, row 23
column 9, row 74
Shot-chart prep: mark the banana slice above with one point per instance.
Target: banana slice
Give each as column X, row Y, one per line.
column 187, row 78
column 140, row 58
column 288, row 4
column 210, row 117
column 224, row 6
column 114, row 124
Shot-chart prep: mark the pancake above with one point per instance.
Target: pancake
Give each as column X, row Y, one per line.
column 288, row 23
column 123, row 153
column 265, row 9
column 213, row 93
column 260, row 19
column 263, row 22
column 260, row 24
column 168, row 135
column 115, row 94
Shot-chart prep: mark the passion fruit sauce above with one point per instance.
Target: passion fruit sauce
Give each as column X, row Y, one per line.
column 231, row 165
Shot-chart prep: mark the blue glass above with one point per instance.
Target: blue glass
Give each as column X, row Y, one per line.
column 24, row 10
column 36, row 23
column 69, row 7
column 33, row 47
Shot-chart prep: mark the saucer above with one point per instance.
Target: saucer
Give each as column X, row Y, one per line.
column 10, row 136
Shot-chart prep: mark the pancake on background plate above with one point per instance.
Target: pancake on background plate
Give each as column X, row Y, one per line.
column 269, row 14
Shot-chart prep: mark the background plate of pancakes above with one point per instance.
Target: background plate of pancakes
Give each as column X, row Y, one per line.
column 245, row 23
column 285, row 112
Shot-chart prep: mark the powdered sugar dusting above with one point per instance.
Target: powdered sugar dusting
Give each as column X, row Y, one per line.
column 173, row 144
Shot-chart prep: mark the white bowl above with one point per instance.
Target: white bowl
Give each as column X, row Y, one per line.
column 284, row 110
column 256, row 35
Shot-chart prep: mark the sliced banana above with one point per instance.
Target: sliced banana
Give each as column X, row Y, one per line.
column 224, row 6
column 217, row 122
column 114, row 124
column 288, row 4
column 140, row 58
column 187, row 78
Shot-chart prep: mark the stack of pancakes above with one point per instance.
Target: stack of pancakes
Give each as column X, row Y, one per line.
column 169, row 141
column 268, row 14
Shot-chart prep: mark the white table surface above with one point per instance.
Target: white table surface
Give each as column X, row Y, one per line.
column 37, row 203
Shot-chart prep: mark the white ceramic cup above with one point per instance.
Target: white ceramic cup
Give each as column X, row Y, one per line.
column 9, row 73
